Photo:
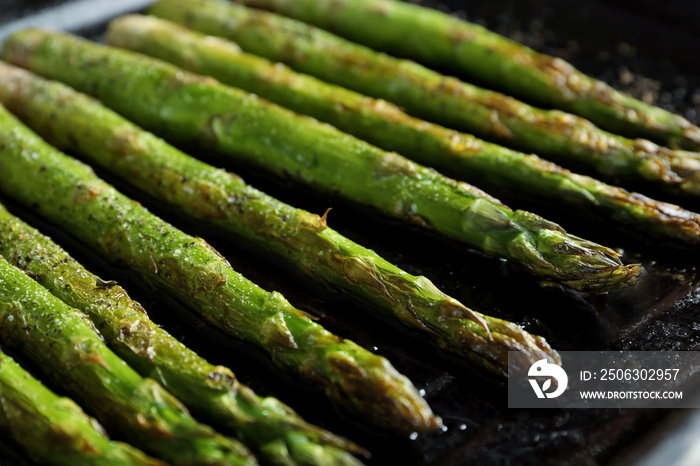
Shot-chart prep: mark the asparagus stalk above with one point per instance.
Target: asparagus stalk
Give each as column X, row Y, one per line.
column 438, row 39
column 386, row 126
column 276, row 434
column 564, row 138
column 78, row 123
column 240, row 125
column 62, row 341
column 53, row 429
column 69, row 194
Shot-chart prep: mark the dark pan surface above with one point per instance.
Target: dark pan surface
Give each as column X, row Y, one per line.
column 650, row 50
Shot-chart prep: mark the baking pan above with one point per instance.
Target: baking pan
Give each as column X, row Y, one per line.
column 648, row 48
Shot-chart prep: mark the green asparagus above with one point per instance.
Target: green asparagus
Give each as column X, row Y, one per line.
column 564, row 138
column 387, row 126
column 69, row 194
column 194, row 109
column 275, row 433
column 62, row 341
column 75, row 122
column 438, row 39
column 53, row 429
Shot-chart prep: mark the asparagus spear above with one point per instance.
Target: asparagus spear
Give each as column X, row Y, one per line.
column 565, row 138
column 77, row 123
column 62, row 341
column 68, row 193
column 385, row 125
column 276, row 434
column 438, row 39
column 240, row 125
column 53, row 429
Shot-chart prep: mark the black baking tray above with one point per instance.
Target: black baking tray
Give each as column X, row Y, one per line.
column 648, row 48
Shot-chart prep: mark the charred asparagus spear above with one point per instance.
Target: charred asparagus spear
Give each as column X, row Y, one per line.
column 276, row 434
column 63, row 343
column 435, row 38
column 78, row 123
column 68, row 193
column 53, row 429
column 387, row 126
column 161, row 97
column 564, row 138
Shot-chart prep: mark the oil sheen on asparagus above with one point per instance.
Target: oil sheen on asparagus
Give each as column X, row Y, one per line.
column 272, row 430
column 386, row 126
column 564, row 138
column 78, row 123
column 62, row 342
column 54, row 430
column 194, row 109
column 435, row 38
column 69, row 194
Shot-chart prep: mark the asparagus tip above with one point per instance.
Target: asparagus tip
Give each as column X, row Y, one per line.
column 492, row 350
column 606, row 279
column 374, row 387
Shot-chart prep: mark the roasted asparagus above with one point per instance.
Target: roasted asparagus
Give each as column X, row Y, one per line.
column 271, row 429
column 386, row 126
column 429, row 36
column 62, row 342
column 191, row 108
column 54, row 430
column 68, row 193
column 78, row 123
column 564, row 138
